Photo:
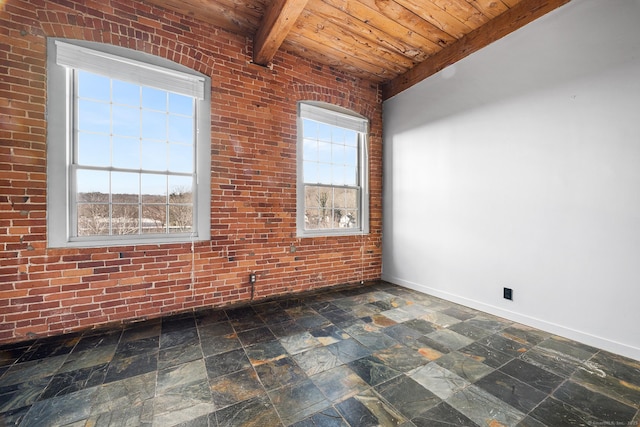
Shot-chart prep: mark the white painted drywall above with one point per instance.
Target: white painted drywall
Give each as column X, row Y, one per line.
column 519, row 166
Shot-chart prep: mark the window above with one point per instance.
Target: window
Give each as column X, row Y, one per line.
column 333, row 196
column 128, row 147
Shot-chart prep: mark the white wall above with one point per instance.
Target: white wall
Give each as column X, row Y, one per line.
column 519, row 166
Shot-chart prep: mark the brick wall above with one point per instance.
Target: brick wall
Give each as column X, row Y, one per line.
column 49, row 291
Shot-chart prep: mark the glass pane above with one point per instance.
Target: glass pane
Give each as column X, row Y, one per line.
column 126, row 153
column 180, row 189
column 93, row 219
column 125, row 187
column 310, row 129
column 126, row 121
column 93, row 86
column 180, row 158
column 125, row 219
column 351, row 156
column 92, row 186
column 338, row 175
column 338, row 156
column 126, row 93
column 180, row 218
column 324, row 173
column 154, row 156
column 324, row 152
column 351, row 138
column 312, row 219
column 93, row 150
column 340, row 198
column 351, row 198
column 324, row 132
column 181, row 129
column 310, row 150
column 94, row 116
column 180, row 104
column 338, row 135
column 154, row 125
column 310, row 172
column 153, row 188
column 154, row 99
column 154, row 218
column 350, row 176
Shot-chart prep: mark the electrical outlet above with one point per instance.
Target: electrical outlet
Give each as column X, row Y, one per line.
column 252, row 278
column 508, row 294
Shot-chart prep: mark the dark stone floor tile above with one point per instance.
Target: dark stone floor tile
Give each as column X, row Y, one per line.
column 280, row 372
column 130, row 367
column 558, row 363
column 570, row 348
column 407, row 396
column 465, row 367
column 179, row 337
column 442, row 415
column 62, row 410
column 299, row 401
column 505, row 345
column 250, row 413
column 532, row 375
column 275, row 317
column 356, row 414
column 620, row 367
column 460, row 313
column 265, row 352
column 208, row 316
column 469, row 331
column 32, row 370
column 339, row 317
column 219, row 344
column 255, row 336
column 141, row 331
column 85, row 359
column 484, row 408
column 373, row 370
column 328, row 418
column 247, row 323
column 90, row 342
column 385, row 414
column 323, row 306
column 8, row 355
column 226, row 363
column 375, row 341
column 402, row 333
column 73, row 381
column 488, row 356
column 50, row 347
column 299, row 343
column 215, row 329
column 315, row 321
column 339, row 383
column 182, row 402
column 286, row 329
column 516, row 393
column 530, row 422
column 178, row 355
column 595, row 404
column 14, row 417
column 329, row 335
column 401, row 358
column 421, row 326
column 438, row 380
column 135, row 392
column 488, row 324
column 348, row 350
column 301, row 311
column 129, row 349
column 177, row 376
column 525, row 334
column 317, row 360
column 240, row 312
column 379, row 320
column 24, row 394
column 181, row 322
column 236, row 387
column 553, row 412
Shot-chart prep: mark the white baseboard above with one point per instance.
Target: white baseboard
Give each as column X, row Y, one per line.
column 580, row 336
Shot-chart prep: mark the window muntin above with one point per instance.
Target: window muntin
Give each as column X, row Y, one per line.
column 332, row 183
column 132, row 146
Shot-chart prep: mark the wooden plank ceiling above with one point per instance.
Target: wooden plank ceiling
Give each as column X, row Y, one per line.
column 393, row 42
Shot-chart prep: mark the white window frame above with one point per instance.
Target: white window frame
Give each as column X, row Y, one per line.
column 63, row 57
column 341, row 117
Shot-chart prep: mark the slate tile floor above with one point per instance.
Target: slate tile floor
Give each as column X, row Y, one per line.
column 356, row 356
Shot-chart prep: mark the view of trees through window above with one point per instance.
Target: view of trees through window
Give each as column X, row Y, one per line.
column 133, row 158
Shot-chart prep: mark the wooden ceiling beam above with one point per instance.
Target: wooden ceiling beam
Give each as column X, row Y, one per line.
column 518, row 16
column 276, row 24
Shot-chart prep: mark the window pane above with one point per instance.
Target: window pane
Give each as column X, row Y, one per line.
column 126, row 93
column 154, row 125
column 154, row 99
column 310, row 172
column 94, row 117
column 180, row 189
column 338, row 175
column 350, row 176
column 154, row 188
column 154, row 156
column 324, row 132
column 93, row 150
column 93, row 86
column 126, row 153
column 90, row 183
column 180, row 218
column 351, row 156
column 180, row 158
column 310, row 129
column 351, row 138
column 125, row 187
column 125, row 219
column 324, row 152
column 126, row 121
column 92, row 219
column 310, row 150
column 181, row 129
column 324, row 173
column 154, row 218
column 180, row 104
